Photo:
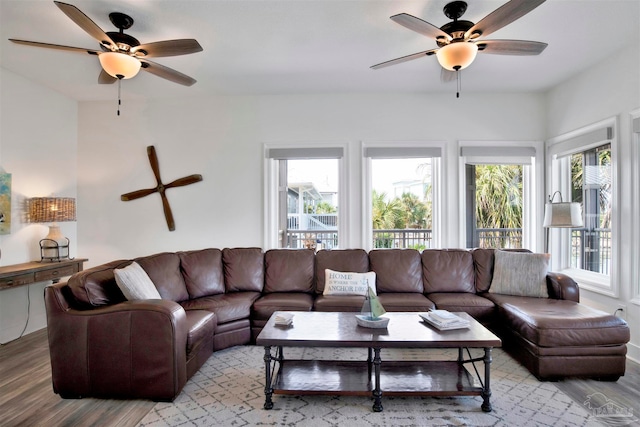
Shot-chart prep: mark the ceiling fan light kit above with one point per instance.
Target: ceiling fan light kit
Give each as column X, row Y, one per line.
column 119, row 65
column 457, row 55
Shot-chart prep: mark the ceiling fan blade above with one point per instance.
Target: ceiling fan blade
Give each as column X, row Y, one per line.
column 137, row 194
column 167, row 48
column 447, row 75
column 167, row 73
column 184, row 181
column 511, row 47
column 404, row 59
column 84, row 22
column 153, row 160
column 504, row 15
column 167, row 212
column 419, row 26
column 56, row 46
column 105, row 78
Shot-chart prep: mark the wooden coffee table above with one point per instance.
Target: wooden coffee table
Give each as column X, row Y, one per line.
column 372, row 377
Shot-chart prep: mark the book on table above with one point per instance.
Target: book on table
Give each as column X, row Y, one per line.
column 444, row 320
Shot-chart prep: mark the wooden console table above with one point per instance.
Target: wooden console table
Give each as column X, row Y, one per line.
column 12, row 276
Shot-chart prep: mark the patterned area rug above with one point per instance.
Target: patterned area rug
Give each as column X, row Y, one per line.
column 229, row 391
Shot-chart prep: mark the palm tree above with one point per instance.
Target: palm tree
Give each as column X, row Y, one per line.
column 415, row 211
column 499, row 196
column 386, row 215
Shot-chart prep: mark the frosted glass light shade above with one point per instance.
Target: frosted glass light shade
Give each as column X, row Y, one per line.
column 457, row 54
column 119, row 65
column 563, row 215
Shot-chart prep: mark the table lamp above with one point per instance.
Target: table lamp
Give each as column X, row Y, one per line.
column 55, row 246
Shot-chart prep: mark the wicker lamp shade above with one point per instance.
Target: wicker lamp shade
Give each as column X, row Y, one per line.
column 51, row 209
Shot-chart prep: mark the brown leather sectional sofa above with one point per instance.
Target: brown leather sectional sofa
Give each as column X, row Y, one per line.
column 104, row 346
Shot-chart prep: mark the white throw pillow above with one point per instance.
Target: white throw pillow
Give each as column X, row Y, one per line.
column 348, row 283
column 520, row 274
column 135, row 283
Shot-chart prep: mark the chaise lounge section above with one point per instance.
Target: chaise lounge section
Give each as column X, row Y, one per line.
column 105, row 346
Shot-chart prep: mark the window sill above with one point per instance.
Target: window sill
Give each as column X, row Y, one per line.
column 594, row 282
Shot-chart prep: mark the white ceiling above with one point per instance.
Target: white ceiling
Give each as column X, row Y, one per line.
column 309, row 46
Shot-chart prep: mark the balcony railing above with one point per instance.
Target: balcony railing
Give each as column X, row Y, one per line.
column 312, row 221
column 591, row 249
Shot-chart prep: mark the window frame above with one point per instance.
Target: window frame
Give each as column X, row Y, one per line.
column 296, row 150
column 558, row 151
column 634, row 124
column 437, row 175
column 516, row 152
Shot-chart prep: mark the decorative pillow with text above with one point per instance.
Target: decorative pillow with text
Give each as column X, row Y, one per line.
column 348, row 283
column 520, row 274
column 135, row 283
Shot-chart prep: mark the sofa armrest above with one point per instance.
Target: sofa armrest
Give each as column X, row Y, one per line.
column 561, row 286
column 134, row 349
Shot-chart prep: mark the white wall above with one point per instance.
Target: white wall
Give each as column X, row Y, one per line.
column 609, row 89
column 38, row 146
column 221, row 138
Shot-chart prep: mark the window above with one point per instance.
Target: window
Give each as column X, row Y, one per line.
column 501, row 181
column 304, row 195
column 310, row 219
column 581, row 169
column 495, row 206
column 401, row 196
column 591, row 187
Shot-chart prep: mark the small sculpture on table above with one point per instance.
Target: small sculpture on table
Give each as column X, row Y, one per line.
column 372, row 310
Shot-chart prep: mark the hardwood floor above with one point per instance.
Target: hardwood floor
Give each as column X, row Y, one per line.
column 27, row 398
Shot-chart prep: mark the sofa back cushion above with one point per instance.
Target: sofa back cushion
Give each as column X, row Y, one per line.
column 243, row 269
column 483, row 260
column 289, row 270
column 96, row 286
column 164, row 271
column 448, row 270
column 397, row 270
column 347, row 260
column 202, row 271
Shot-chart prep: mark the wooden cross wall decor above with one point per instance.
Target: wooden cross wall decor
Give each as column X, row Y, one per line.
column 160, row 187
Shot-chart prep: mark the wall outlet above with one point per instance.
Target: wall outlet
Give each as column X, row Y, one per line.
column 621, row 311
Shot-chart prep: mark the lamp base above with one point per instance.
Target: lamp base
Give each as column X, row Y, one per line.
column 54, row 247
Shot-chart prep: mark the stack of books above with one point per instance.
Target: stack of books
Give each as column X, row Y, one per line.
column 283, row 319
column 444, row 320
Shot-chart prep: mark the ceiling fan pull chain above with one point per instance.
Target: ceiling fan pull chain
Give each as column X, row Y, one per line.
column 119, row 101
column 458, row 83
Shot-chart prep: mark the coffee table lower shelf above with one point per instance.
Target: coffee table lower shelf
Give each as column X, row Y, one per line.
column 397, row 378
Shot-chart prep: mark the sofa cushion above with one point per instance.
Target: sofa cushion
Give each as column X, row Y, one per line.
column 355, row 260
column 338, row 303
column 243, row 269
column 349, row 283
column 397, row 270
column 201, row 325
column 448, row 270
column 559, row 323
column 202, row 271
column 227, row 307
column 478, row 307
column 164, row 271
column 135, row 283
column 267, row 304
column 520, row 274
column 96, row 286
column 289, row 270
column 405, row 301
